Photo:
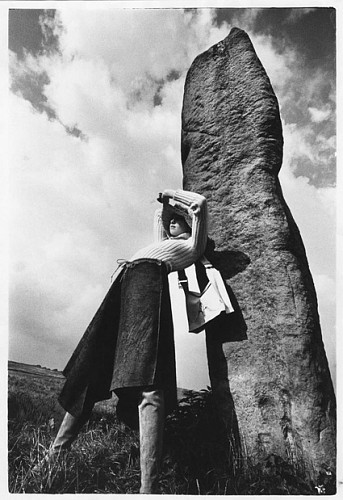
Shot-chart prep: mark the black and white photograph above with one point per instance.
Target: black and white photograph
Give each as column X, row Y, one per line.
column 172, row 230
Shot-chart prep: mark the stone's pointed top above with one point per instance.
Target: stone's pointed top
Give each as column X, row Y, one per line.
column 237, row 32
column 237, row 35
column 235, row 38
column 234, row 33
column 229, row 99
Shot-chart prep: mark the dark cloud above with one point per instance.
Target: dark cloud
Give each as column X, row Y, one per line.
column 310, row 34
column 76, row 132
column 31, row 31
column 172, row 76
column 30, row 84
column 50, row 27
column 320, row 173
column 158, row 97
column 311, row 30
column 24, row 31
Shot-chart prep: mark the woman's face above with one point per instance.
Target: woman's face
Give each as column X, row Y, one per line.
column 178, row 225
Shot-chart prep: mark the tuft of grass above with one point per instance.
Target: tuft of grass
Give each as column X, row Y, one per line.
column 100, row 462
column 200, row 455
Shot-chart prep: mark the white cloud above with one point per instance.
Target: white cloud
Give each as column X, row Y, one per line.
column 320, row 115
column 137, row 42
column 278, row 64
column 297, row 13
column 314, row 211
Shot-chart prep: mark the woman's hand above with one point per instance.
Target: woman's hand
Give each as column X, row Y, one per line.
column 194, row 207
column 166, row 195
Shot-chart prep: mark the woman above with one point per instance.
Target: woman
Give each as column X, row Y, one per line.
column 128, row 347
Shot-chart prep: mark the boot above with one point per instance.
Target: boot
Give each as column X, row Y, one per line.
column 151, row 427
column 67, row 433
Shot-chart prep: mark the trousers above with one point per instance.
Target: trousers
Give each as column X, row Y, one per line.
column 151, row 412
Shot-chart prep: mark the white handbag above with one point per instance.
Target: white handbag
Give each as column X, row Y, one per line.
column 203, row 307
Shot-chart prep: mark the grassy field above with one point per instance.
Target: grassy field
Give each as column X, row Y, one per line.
column 105, row 458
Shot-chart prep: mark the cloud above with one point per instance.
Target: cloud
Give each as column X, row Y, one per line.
column 246, row 18
column 310, row 151
column 314, row 211
column 296, row 14
column 28, row 80
column 320, row 115
column 152, row 43
column 306, row 96
column 307, row 105
column 278, row 63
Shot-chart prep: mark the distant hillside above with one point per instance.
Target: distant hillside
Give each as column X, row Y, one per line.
column 40, row 371
column 35, row 370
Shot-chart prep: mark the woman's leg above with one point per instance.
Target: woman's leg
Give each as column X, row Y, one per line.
column 67, row 433
column 69, row 430
column 151, row 428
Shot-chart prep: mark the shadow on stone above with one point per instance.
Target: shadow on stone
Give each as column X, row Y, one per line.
column 229, row 262
column 198, row 440
column 229, row 327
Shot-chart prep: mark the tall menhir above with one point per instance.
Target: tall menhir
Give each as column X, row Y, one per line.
column 232, row 152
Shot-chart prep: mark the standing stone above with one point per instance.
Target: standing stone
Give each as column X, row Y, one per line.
column 232, row 153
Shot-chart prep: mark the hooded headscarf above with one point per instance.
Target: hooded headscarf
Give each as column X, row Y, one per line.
column 169, row 212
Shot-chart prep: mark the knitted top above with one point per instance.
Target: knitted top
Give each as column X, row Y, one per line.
column 181, row 251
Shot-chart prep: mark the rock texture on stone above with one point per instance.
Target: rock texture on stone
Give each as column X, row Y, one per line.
column 232, row 152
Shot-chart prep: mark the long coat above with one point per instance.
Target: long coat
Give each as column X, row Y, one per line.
column 99, row 365
column 89, row 371
column 129, row 344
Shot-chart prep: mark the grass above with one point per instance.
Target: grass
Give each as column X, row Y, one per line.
column 199, row 456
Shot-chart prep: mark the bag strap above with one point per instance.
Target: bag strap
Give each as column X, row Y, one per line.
column 183, row 280
column 200, row 270
column 201, row 274
column 205, row 262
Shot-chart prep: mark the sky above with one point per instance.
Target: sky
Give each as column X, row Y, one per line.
column 94, row 134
